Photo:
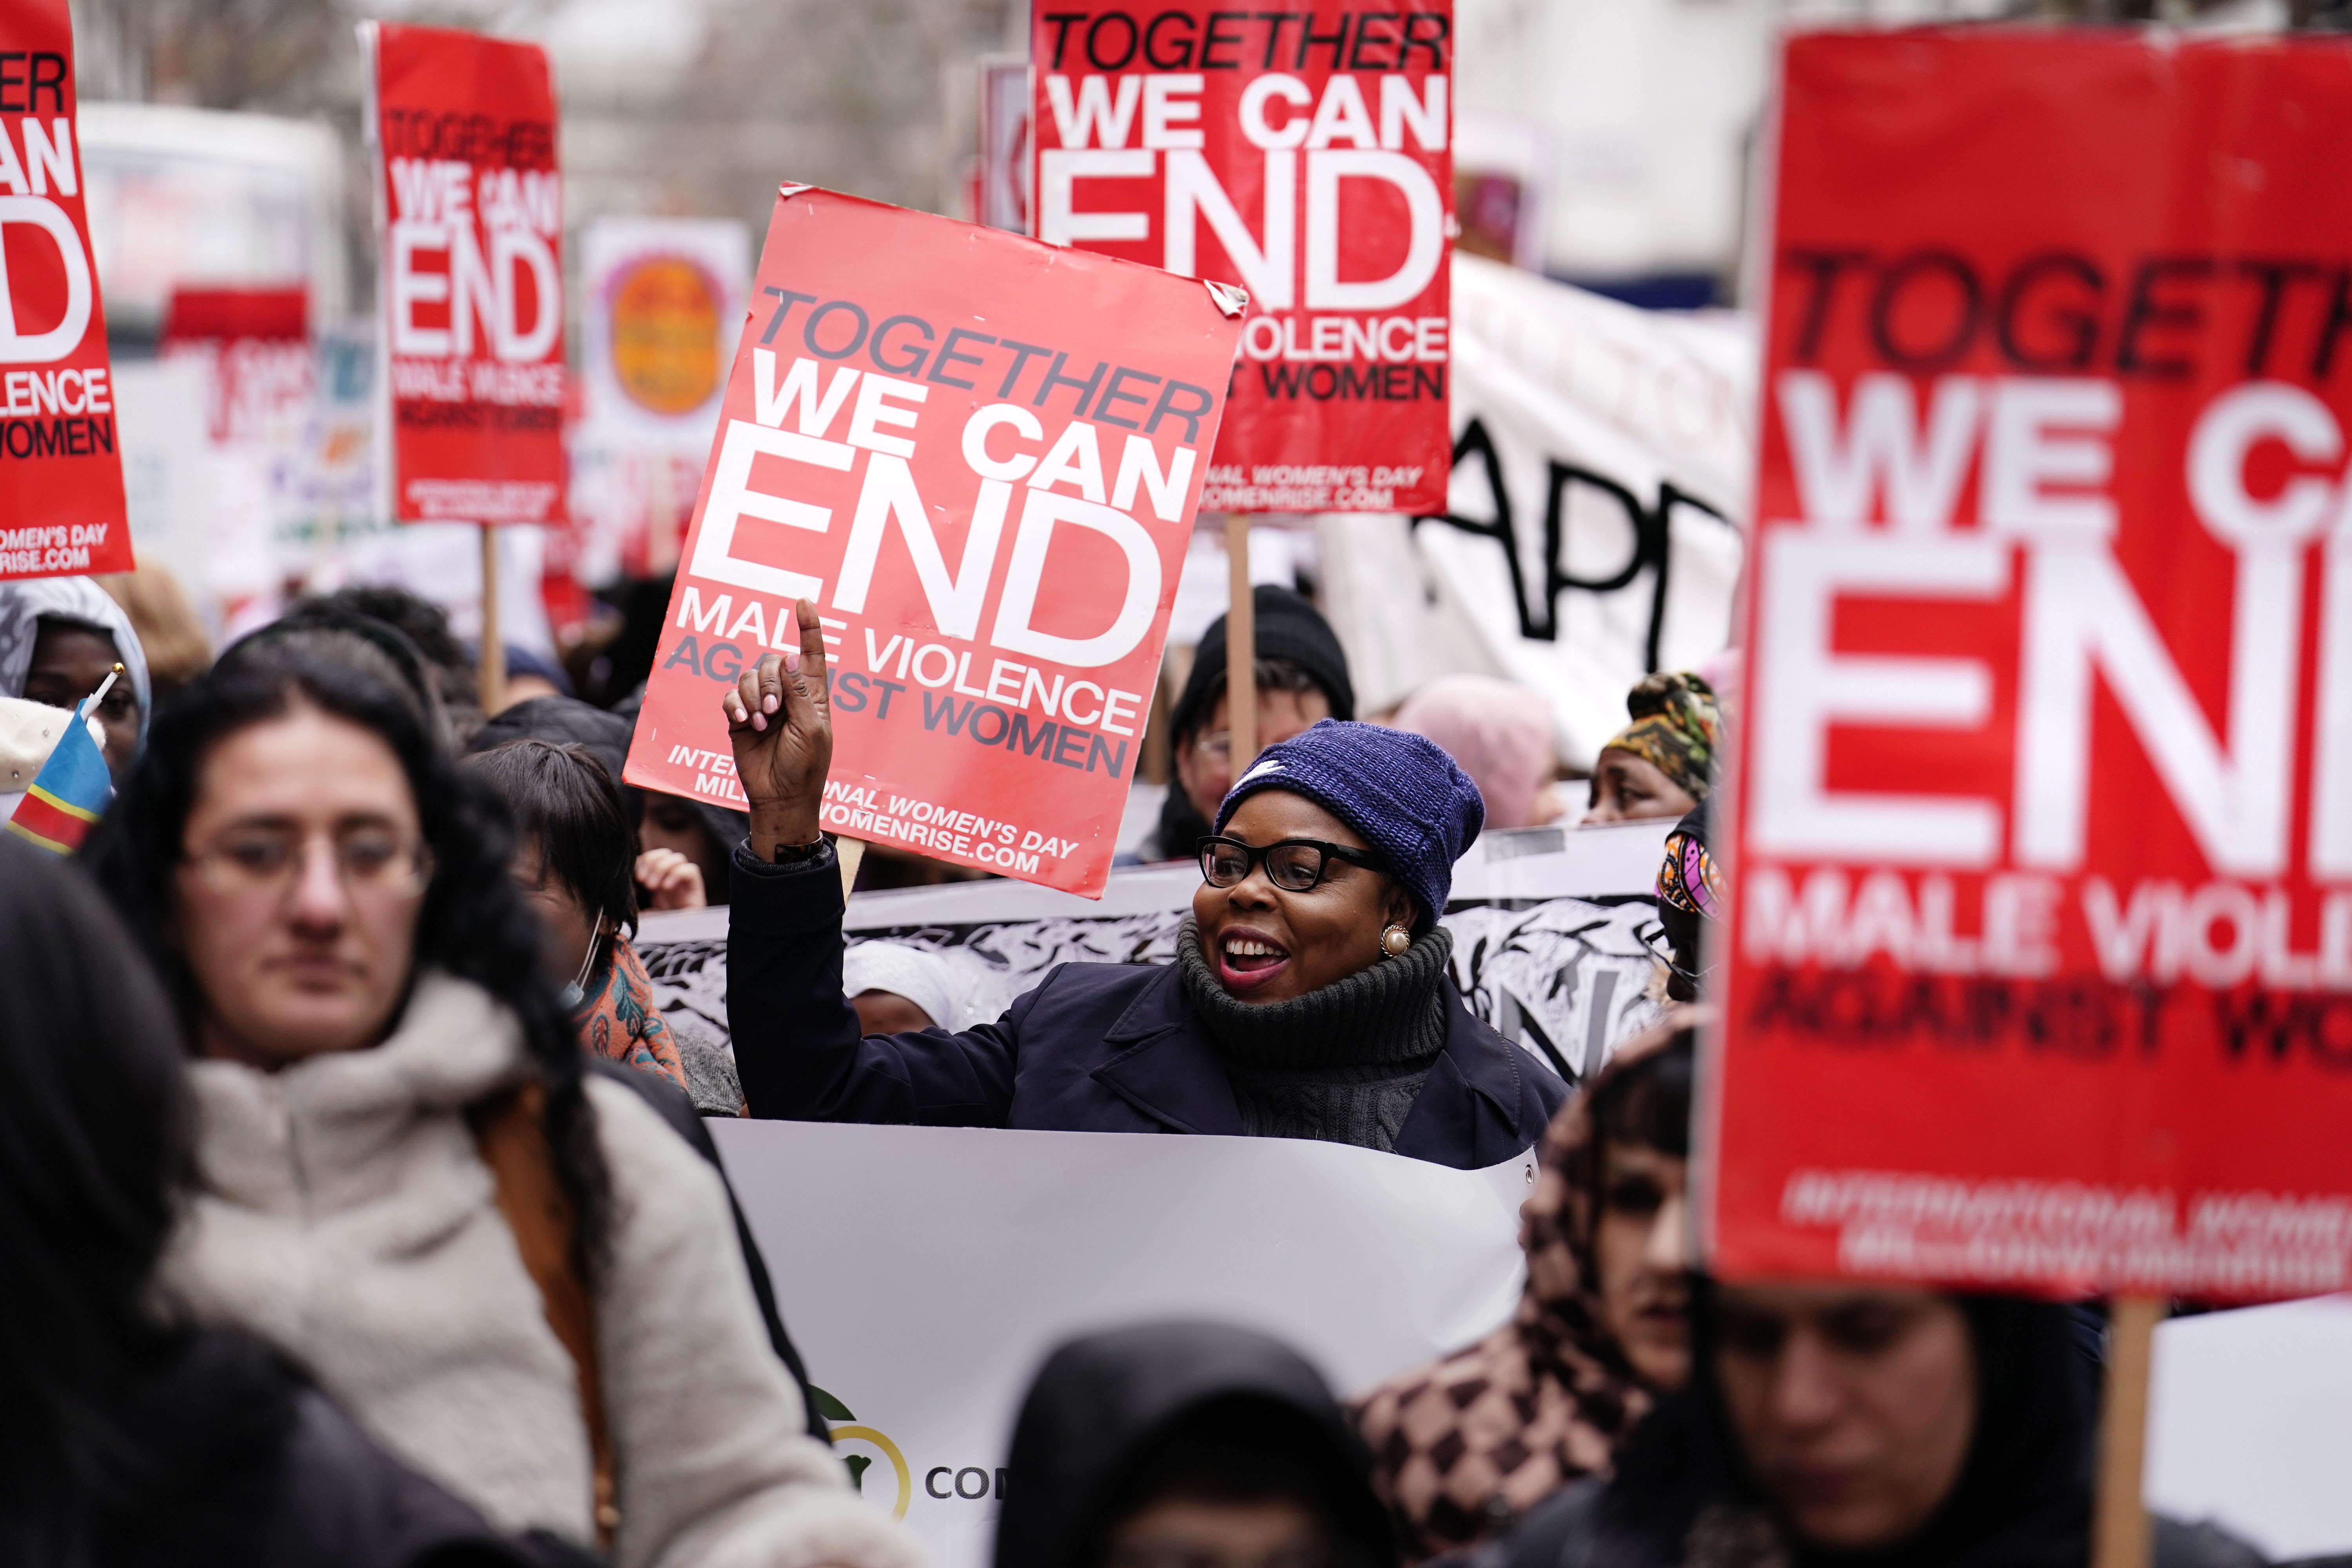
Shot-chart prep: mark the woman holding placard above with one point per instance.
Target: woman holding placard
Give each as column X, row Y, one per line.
column 1310, row 998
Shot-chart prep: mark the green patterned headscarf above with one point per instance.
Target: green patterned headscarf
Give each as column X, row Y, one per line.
column 1677, row 729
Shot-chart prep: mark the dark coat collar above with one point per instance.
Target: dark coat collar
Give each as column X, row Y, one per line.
column 1478, row 1078
column 1164, row 1065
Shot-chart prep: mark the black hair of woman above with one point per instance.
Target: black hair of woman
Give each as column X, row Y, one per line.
column 421, row 623
column 311, row 617
column 561, row 797
column 93, row 1138
column 473, row 924
column 1650, row 1103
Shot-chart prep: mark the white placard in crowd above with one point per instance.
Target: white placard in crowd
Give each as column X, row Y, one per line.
column 662, row 302
column 2250, row 1423
column 926, row 1271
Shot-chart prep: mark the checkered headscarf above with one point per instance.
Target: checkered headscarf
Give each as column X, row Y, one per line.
column 1462, row 1448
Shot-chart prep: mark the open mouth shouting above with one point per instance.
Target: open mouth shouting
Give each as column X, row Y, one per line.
column 1249, row 961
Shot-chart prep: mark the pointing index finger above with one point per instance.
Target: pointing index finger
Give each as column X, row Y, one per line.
column 812, row 661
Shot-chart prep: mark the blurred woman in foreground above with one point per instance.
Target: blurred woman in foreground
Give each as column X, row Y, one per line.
column 512, row 1274
column 1848, row 1423
column 131, row 1438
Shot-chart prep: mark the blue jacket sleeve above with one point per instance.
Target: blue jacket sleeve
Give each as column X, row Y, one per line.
column 797, row 1046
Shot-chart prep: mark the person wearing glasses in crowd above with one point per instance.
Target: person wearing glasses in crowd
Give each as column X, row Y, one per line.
column 1309, row 998
column 1302, row 676
column 505, row 1266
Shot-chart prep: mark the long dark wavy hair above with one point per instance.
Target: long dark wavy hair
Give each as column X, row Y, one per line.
column 473, row 923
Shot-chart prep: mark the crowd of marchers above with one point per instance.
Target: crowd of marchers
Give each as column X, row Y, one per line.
column 356, row 1203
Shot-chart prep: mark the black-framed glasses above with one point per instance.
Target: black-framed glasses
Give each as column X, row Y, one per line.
column 1293, row 865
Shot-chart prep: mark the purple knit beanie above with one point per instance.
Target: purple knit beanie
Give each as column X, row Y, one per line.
column 1400, row 792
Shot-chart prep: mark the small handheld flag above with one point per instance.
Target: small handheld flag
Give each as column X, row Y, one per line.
column 73, row 787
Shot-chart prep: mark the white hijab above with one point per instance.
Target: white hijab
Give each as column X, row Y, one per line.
column 80, row 602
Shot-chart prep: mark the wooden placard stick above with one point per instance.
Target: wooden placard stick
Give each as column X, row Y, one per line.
column 849, row 852
column 2119, row 1528
column 1241, row 646
column 490, row 668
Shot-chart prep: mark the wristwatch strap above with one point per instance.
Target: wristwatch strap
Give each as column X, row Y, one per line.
column 800, row 854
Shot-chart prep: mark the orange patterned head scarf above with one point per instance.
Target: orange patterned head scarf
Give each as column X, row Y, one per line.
column 1678, row 729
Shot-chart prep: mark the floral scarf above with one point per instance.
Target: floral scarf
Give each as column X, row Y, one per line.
column 1677, row 728
column 619, row 1021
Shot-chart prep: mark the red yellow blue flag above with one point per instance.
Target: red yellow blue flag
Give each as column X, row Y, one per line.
column 70, row 792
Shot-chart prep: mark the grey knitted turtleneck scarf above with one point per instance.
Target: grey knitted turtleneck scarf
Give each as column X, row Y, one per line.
column 1342, row 1064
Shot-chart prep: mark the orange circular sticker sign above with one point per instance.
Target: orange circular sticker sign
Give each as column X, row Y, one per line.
column 665, row 334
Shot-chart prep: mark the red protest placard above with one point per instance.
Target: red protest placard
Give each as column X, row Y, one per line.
column 2040, row 953
column 254, row 347
column 470, row 208
column 903, row 444
column 1307, row 154
column 61, row 507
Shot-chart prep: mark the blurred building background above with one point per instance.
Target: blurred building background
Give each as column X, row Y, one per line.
column 1631, row 122
column 1607, row 143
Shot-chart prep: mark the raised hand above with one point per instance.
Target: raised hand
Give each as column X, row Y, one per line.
column 779, row 721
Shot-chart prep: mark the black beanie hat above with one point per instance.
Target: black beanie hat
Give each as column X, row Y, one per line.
column 1288, row 627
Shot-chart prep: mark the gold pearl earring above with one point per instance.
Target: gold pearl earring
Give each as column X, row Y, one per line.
column 1394, row 941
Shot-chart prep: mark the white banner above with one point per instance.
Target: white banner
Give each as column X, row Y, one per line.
column 1593, row 528
column 925, row 1272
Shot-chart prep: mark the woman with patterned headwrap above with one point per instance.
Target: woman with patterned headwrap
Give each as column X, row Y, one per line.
column 1662, row 763
column 1462, row 1448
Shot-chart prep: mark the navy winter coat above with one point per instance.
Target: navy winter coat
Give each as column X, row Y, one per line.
column 1096, row 1047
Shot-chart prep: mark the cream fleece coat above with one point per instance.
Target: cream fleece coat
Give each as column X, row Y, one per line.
column 344, row 1215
